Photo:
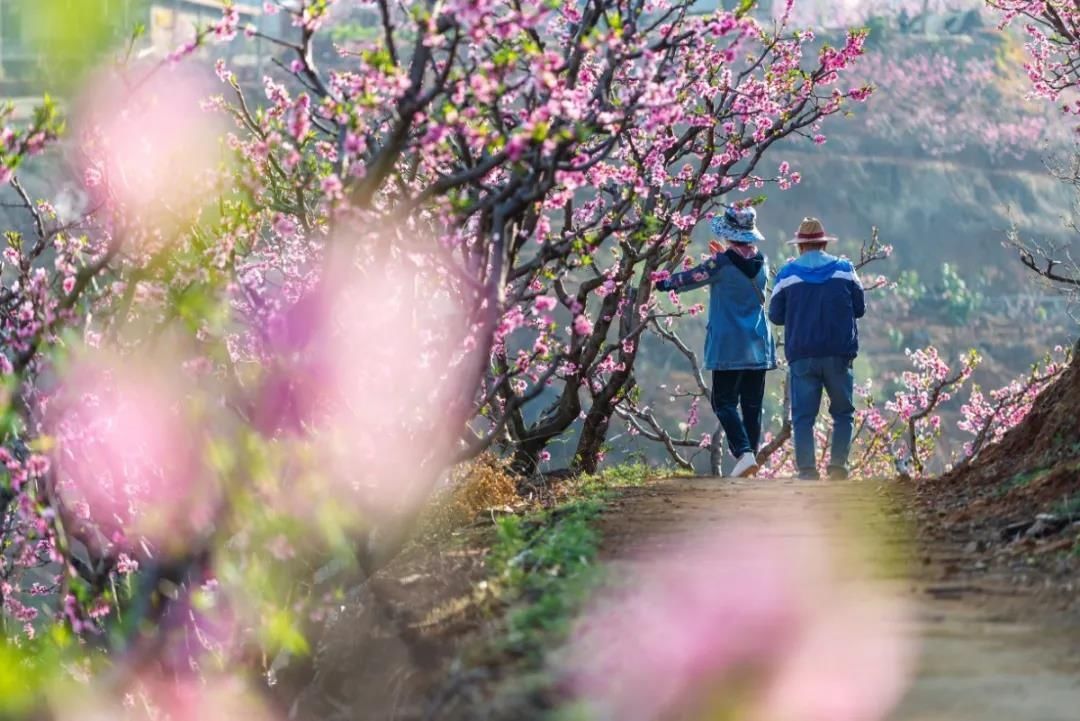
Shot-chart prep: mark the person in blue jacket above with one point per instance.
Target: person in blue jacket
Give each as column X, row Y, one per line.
column 818, row 299
column 739, row 346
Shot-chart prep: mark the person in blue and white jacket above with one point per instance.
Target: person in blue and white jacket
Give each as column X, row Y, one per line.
column 739, row 346
column 818, row 299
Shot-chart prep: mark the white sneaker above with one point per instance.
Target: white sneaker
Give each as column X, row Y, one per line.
column 746, row 467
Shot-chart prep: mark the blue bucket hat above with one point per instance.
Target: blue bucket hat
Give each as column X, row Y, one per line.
column 739, row 225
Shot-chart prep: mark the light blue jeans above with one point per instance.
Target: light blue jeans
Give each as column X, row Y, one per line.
column 809, row 377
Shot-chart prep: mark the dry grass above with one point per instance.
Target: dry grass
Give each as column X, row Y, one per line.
column 479, row 487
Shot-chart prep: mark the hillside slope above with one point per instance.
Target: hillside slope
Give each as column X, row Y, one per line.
column 1033, row 470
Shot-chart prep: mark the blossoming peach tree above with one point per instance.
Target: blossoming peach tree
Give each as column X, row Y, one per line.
column 1052, row 30
column 556, row 157
column 416, row 242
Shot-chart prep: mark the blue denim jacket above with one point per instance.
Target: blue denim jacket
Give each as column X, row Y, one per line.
column 738, row 335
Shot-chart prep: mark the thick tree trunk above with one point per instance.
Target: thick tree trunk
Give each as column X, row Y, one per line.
column 591, row 443
column 594, row 430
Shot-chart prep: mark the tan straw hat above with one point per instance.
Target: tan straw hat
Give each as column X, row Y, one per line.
column 811, row 231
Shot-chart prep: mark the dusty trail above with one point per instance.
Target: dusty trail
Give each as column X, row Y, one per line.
column 987, row 652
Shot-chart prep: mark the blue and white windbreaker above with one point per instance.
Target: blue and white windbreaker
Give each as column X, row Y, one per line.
column 817, row 298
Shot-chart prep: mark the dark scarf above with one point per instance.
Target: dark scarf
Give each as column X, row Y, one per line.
column 750, row 267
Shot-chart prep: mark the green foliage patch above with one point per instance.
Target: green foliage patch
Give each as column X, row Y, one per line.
column 544, row 563
column 548, row 565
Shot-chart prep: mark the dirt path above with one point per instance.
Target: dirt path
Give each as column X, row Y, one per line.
column 988, row 653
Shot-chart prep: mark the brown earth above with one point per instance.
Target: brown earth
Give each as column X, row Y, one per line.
column 398, row 646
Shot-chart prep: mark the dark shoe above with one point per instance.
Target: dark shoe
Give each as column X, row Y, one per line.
column 838, row 473
column 809, row 476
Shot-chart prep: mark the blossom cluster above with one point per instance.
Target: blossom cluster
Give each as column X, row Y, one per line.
column 825, row 13
column 989, row 416
column 1052, row 29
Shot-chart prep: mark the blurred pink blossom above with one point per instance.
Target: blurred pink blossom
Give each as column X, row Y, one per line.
column 736, row 624
column 545, row 303
column 582, row 325
column 147, row 141
column 367, row 368
column 127, row 454
column 156, row 698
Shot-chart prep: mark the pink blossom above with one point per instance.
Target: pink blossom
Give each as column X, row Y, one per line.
column 516, row 147
column 511, row 321
column 299, row 118
column 332, row 187
column 35, row 144
column 222, row 71
column 354, row 144
column 284, row 225
column 582, row 325
column 545, row 303
column 183, row 51
column 225, row 29
column 38, row 465
column 125, row 565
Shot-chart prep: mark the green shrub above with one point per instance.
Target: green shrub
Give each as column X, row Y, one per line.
column 958, row 301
